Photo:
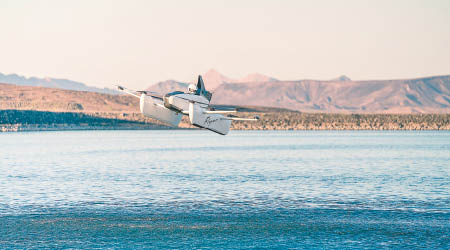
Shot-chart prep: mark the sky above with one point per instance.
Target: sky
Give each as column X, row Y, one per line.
column 138, row 43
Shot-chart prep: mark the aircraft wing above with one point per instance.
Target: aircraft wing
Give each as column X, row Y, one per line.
column 230, row 117
column 152, row 94
column 128, row 91
column 219, row 111
column 235, row 118
column 139, row 92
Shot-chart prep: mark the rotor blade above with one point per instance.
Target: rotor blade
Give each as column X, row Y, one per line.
column 256, row 118
column 152, row 94
column 123, row 89
column 219, row 111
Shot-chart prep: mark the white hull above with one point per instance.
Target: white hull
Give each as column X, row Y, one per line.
column 150, row 108
column 171, row 107
column 214, row 122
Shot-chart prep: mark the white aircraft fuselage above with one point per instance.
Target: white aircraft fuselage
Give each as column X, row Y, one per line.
column 176, row 104
column 171, row 107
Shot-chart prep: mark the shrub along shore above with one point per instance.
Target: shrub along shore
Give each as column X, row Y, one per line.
column 32, row 120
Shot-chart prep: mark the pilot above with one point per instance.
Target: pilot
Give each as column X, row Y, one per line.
column 192, row 88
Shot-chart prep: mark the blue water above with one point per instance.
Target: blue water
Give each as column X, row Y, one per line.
column 250, row 189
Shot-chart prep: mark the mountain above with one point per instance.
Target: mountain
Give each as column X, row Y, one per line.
column 52, row 83
column 55, row 99
column 215, row 79
column 212, row 79
column 168, row 86
column 340, row 95
column 422, row 95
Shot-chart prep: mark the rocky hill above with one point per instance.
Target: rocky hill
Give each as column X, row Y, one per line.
column 168, row 86
column 14, row 97
column 213, row 79
column 52, row 83
column 54, row 99
column 424, row 95
column 25, row 108
column 340, row 95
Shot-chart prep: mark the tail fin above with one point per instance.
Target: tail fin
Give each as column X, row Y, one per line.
column 200, row 84
column 201, row 90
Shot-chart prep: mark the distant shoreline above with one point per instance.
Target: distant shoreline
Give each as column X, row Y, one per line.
column 32, row 120
column 4, row 129
column 62, row 127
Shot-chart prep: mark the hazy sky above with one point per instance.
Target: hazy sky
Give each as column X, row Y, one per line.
column 138, row 43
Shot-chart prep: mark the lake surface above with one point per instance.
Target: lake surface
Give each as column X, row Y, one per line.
column 250, row 189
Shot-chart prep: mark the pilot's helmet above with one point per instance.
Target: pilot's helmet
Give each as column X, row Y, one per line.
column 192, row 88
